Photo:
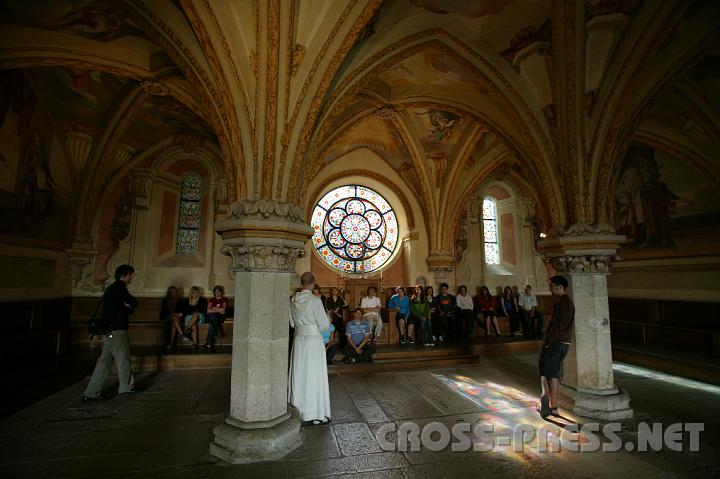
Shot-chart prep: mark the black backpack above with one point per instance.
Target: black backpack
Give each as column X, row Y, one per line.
column 97, row 326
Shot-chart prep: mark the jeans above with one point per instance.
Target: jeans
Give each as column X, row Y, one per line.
column 426, row 329
column 215, row 320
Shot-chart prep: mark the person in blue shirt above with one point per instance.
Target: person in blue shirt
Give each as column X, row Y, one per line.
column 401, row 302
column 329, row 340
column 358, row 348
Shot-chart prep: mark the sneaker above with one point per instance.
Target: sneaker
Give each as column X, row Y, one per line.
column 441, row 339
column 434, row 338
column 402, row 339
column 517, row 333
column 411, row 341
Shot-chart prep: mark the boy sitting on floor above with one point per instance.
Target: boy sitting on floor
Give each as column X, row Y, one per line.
column 358, row 348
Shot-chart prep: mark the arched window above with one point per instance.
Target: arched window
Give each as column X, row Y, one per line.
column 355, row 229
column 490, row 231
column 188, row 234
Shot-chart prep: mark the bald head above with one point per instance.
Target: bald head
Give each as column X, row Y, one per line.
column 307, row 280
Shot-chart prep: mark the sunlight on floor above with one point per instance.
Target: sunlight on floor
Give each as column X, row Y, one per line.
column 669, row 378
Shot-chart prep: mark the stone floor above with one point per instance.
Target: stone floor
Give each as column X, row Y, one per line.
column 164, row 432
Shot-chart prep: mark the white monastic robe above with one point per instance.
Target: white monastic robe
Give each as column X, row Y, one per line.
column 308, row 383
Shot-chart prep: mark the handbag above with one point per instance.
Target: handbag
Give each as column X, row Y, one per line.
column 97, row 326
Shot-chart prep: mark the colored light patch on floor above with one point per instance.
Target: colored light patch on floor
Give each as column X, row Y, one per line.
column 668, row 378
column 488, row 395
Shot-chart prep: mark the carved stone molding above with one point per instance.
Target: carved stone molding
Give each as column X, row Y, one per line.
column 386, row 112
column 582, row 264
column 440, row 262
column 266, row 208
column 263, row 257
column 581, row 248
column 81, row 264
column 263, row 235
column 141, row 183
column 155, row 87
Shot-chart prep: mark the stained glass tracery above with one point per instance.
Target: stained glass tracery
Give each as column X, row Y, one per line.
column 355, row 229
column 490, row 231
column 188, row 235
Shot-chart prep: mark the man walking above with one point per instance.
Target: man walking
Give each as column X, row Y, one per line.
column 117, row 306
column 555, row 346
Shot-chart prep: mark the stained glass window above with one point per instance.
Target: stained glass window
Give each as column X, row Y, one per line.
column 355, row 229
column 188, row 235
column 490, row 231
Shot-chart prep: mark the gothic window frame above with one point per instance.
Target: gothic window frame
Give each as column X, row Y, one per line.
column 185, row 229
column 486, row 232
column 351, row 221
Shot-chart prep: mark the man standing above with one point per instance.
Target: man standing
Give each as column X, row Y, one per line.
column 308, row 388
column 117, row 306
column 528, row 307
column 555, row 346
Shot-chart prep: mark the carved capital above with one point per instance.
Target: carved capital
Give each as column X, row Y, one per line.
column 141, row 183
column 582, row 263
column 264, row 235
column 581, row 248
column 440, row 262
column 261, row 257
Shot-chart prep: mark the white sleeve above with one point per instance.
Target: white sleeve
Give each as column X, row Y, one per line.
column 321, row 317
column 292, row 320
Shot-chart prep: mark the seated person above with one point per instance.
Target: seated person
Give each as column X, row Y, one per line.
column 194, row 310
column 371, row 306
column 401, row 302
column 445, row 305
column 358, row 348
column 528, row 307
column 465, row 319
column 170, row 316
column 217, row 305
column 329, row 340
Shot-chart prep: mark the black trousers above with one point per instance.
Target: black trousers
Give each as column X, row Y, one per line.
column 364, row 356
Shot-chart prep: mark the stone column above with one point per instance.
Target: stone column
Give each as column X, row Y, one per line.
column 583, row 253
column 264, row 239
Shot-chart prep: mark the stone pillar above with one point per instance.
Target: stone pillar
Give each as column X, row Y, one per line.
column 583, row 253
column 264, row 239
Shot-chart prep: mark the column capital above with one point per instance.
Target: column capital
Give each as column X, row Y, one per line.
column 263, row 235
column 581, row 248
column 440, row 262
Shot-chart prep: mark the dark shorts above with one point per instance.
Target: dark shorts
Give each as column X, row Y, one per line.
column 551, row 359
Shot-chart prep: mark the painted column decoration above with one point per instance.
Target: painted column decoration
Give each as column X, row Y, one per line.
column 584, row 253
column 264, row 238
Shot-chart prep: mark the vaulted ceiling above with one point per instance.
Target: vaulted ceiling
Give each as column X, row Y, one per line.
column 447, row 92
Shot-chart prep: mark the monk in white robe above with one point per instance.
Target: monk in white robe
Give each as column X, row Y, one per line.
column 308, row 383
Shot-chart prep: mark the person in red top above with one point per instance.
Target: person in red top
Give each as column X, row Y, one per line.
column 217, row 305
column 485, row 305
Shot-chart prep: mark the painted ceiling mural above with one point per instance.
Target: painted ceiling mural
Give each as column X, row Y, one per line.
column 76, row 95
column 97, row 20
column 371, row 132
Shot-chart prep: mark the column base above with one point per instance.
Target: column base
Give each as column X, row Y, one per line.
column 599, row 404
column 240, row 445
